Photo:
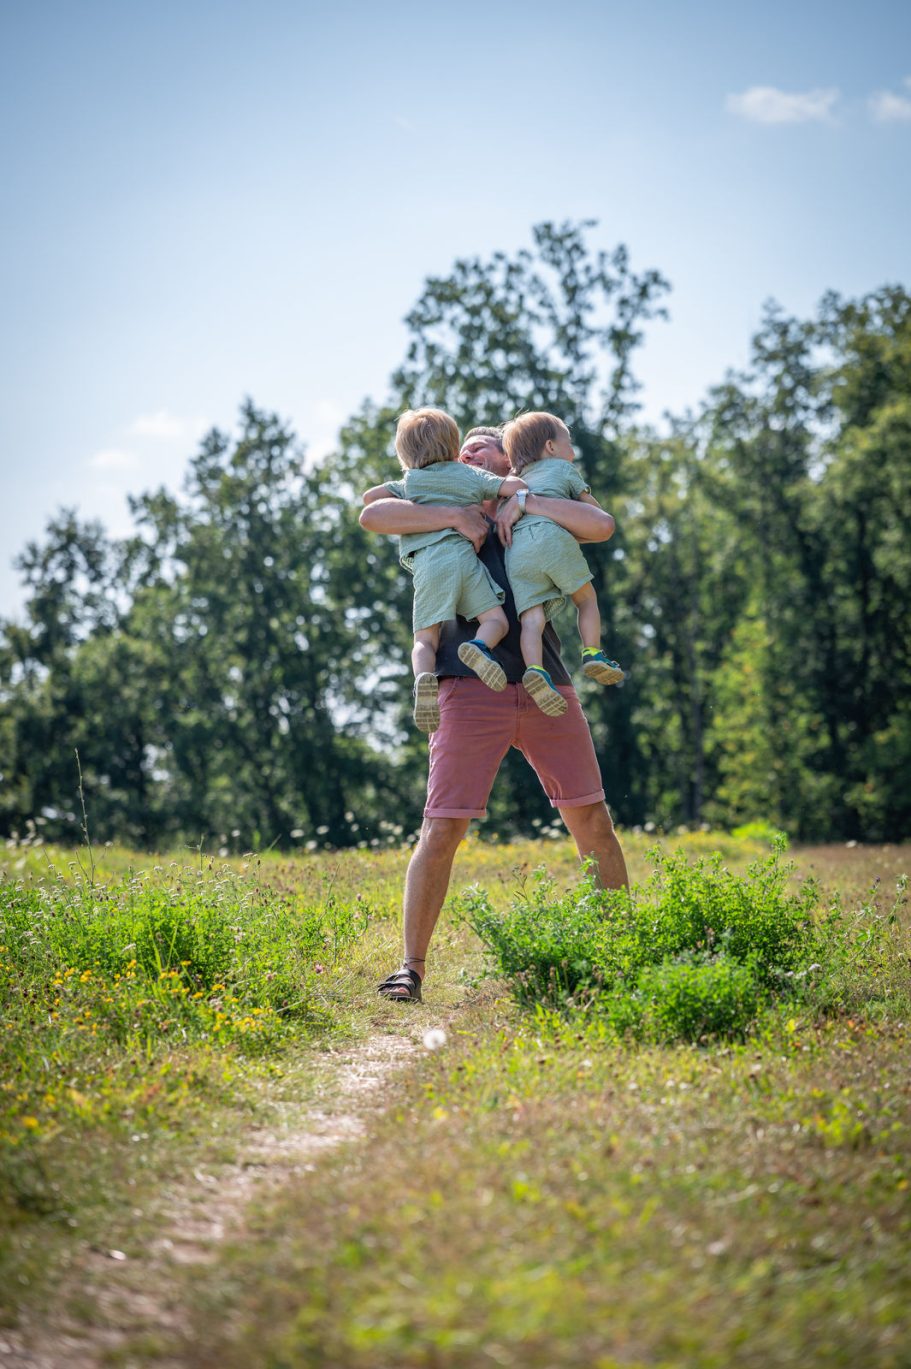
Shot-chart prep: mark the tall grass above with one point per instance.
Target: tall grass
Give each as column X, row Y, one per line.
column 118, row 1001
column 695, row 952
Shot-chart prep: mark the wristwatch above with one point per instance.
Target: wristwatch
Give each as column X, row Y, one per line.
column 522, row 496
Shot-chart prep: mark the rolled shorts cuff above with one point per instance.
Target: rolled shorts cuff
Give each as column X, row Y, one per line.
column 578, row 803
column 455, row 812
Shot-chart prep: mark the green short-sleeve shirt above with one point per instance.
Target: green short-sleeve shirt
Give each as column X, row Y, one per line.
column 445, row 482
column 553, row 479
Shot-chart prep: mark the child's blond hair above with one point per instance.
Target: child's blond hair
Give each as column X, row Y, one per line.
column 524, row 438
column 425, row 436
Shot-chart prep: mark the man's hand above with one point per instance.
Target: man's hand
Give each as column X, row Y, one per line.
column 508, row 515
column 471, row 523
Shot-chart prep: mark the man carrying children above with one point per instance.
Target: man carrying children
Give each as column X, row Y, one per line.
column 477, row 725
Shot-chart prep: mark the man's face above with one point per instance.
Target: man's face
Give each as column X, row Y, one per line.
column 483, row 452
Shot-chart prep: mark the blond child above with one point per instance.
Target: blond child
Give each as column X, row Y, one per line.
column 448, row 577
column 544, row 563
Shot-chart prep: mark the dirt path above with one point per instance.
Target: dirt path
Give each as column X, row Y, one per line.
column 132, row 1300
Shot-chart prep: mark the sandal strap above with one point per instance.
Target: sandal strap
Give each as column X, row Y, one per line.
column 402, row 979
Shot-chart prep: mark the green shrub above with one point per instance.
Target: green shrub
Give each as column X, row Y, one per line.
column 694, row 952
column 759, row 830
column 691, row 998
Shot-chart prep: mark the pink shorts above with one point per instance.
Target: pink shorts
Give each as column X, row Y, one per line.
column 477, row 728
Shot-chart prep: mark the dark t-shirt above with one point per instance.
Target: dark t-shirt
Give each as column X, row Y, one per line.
column 508, row 653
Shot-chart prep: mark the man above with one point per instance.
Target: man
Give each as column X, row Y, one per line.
column 478, row 726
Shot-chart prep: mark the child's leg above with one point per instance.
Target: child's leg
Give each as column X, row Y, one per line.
column 588, row 615
column 492, row 627
column 595, row 665
column 532, row 623
column 424, row 651
column 426, row 688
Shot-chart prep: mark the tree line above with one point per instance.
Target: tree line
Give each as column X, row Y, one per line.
column 235, row 671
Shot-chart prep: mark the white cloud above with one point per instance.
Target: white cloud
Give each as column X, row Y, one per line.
column 889, row 108
column 113, row 459
column 768, row 105
column 166, row 425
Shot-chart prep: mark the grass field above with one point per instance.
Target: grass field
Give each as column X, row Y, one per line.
column 536, row 1192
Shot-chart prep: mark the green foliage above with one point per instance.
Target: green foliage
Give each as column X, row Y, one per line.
column 691, row 997
column 98, row 982
column 694, row 952
column 237, row 669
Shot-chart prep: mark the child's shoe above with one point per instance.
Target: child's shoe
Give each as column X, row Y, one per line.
column 476, row 655
column 426, row 702
column 596, row 666
column 541, row 688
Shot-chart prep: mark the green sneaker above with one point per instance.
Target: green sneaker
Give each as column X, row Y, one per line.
column 426, row 702
column 541, row 688
column 477, row 657
column 597, row 666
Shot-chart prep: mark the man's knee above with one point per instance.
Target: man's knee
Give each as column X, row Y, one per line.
column 592, row 820
column 440, row 837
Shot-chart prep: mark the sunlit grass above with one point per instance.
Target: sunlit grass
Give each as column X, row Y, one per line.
column 548, row 1175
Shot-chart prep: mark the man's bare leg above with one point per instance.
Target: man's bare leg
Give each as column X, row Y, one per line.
column 426, row 884
column 593, row 832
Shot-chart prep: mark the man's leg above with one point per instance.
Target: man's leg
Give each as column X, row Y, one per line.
column 465, row 753
column 593, row 832
column 426, row 883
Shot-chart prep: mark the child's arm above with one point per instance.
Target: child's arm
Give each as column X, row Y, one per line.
column 377, row 492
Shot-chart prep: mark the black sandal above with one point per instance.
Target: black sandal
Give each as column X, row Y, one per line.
column 406, row 979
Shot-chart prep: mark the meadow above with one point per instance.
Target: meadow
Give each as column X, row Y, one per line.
column 671, row 1130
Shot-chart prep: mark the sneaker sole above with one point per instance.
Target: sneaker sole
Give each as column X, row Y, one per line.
column 487, row 671
column 426, row 703
column 547, row 699
column 604, row 674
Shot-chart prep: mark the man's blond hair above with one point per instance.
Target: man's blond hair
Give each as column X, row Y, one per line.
column 525, row 437
column 425, row 436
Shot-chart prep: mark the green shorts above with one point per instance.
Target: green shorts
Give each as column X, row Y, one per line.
column 544, row 565
column 448, row 580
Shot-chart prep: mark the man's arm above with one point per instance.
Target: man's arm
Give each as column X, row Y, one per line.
column 583, row 517
column 396, row 517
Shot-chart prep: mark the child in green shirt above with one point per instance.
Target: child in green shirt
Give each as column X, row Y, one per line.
column 544, row 563
column 448, row 577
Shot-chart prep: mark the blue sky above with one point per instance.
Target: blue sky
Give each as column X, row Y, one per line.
column 202, row 201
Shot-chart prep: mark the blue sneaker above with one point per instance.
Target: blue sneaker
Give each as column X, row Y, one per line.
column 476, row 655
column 597, row 666
column 541, row 688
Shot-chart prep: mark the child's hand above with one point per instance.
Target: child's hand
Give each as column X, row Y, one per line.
column 471, row 523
